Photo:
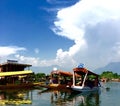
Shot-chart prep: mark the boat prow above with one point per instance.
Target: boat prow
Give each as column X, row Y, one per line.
column 84, row 89
column 84, row 80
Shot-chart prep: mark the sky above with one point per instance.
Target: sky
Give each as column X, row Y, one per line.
column 60, row 33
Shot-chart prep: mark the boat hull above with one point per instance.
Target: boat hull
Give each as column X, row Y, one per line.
column 55, row 86
column 84, row 89
column 18, row 86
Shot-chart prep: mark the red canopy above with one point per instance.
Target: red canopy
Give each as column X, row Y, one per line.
column 63, row 73
column 84, row 71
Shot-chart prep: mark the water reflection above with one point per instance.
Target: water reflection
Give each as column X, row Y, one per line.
column 87, row 99
column 52, row 98
column 68, row 97
column 15, row 97
column 41, row 97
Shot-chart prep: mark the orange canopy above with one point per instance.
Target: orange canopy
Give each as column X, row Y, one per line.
column 63, row 73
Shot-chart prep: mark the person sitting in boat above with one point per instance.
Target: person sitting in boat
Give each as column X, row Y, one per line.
column 55, row 80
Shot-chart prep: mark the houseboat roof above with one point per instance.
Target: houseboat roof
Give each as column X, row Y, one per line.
column 63, row 73
column 15, row 63
column 2, row 74
column 84, row 71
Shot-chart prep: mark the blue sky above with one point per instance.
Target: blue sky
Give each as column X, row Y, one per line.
column 61, row 33
column 26, row 23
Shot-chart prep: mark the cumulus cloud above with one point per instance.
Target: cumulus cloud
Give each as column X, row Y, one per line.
column 9, row 50
column 29, row 60
column 35, row 61
column 93, row 25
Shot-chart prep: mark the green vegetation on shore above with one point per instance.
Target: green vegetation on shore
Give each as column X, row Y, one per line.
column 38, row 77
column 110, row 75
column 105, row 74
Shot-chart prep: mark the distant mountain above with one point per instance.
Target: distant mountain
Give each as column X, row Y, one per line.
column 113, row 66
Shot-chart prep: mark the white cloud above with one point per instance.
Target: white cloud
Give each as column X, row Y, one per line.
column 29, row 60
column 9, row 50
column 93, row 25
column 34, row 61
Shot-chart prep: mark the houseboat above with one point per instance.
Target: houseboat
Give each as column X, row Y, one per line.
column 15, row 75
column 87, row 80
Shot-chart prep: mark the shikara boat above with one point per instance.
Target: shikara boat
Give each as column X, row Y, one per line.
column 58, row 79
column 87, row 80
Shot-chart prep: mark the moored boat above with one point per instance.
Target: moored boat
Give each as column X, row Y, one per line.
column 58, row 79
column 87, row 80
column 14, row 75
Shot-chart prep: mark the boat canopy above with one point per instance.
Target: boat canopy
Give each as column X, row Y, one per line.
column 84, row 71
column 3, row 74
column 63, row 73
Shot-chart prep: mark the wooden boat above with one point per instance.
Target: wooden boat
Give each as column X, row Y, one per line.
column 18, row 86
column 58, row 79
column 87, row 80
column 13, row 75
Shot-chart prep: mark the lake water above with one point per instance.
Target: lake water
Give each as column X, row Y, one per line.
column 42, row 97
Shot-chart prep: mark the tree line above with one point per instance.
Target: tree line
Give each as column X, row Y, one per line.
column 109, row 75
column 105, row 74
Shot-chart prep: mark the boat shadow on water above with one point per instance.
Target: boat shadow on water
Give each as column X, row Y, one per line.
column 72, row 98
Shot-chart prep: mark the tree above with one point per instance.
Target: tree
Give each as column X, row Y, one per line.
column 109, row 75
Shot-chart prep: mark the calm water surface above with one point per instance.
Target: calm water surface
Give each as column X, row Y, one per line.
column 42, row 97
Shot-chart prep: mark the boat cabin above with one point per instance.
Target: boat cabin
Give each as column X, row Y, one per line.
column 61, row 77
